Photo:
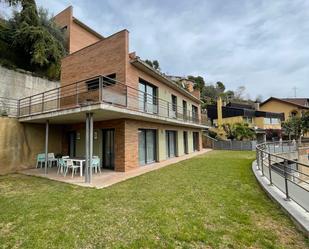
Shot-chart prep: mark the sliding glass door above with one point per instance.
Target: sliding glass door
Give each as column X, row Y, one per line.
column 147, row 97
column 72, row 143
column 170, row 141
column 146, row 146
column 195, row 141
column 108, row 148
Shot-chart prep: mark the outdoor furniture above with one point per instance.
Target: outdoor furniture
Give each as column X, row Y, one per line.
column 79, row 163
column 95, row 164
column 52, row 159
column 70, row 165
column 62, row 167
column 40, row 160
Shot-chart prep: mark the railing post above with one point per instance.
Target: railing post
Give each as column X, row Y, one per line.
column 76, row 94
column 126, row 96
column 286, row 180
column 30, row 105
column 262, row 157
column 18, row 108
column 100, row 89
column 269, row 169
column 42, row 102
column 168, row 109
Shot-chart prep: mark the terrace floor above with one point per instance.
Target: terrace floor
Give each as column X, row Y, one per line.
column 107, row 177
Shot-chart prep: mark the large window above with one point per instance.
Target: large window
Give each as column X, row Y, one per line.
column 146, row 146
column 174, row 106
column 195, row 141
column 108, row 80
column 170, row 140
column 147, row 97
column 270, row 121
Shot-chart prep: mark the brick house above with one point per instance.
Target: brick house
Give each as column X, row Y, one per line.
column 113, row 105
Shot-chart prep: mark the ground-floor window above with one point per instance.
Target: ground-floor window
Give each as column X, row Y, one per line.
column 195, row 141
column 170, row 141
column 147, row 146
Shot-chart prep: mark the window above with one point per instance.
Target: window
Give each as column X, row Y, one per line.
column 170, row 141
column 269, row 121
column 147, row 97
column 248, row 120
column 174, row 106
column 93, row 84
column 185, row 142
column 146, row 146
column 194, row 112
column 184, row 109
column 195, row 141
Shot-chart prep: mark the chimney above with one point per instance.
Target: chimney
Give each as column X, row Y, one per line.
column 257, row 106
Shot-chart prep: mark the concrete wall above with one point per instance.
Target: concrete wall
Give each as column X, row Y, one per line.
column 20, row 143
column 18, row 84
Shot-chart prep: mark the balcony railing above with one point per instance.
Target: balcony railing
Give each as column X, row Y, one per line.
column 101, row 89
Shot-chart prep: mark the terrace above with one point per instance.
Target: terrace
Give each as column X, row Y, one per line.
column 106, row 98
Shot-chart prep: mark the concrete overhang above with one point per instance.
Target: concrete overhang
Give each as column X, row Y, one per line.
column 101, row 112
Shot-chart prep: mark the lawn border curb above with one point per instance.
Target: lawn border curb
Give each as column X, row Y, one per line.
column 298, row 215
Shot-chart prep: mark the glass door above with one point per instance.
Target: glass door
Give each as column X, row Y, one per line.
column 72, row 143
column 185, row 142
column 146, row 146
column 170, row 140
column 108, row 148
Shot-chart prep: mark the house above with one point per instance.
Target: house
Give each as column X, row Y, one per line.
column 112, row 104
column 289, row 106
column 233, row 113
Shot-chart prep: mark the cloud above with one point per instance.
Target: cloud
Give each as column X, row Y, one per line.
column 260, row 44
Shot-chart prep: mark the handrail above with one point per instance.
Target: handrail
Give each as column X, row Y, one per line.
column 273, row 161
column 74, row 94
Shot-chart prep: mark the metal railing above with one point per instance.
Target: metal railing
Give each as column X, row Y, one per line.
column 279, row 163
column 101, row 89
column 8, row 107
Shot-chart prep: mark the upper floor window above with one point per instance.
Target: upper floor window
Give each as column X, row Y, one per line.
column 270, row 121
column 93, row 84
column 147, row 97
column 184, row 107
column 248, row 120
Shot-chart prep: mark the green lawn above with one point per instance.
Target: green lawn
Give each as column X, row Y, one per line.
column 211, row 201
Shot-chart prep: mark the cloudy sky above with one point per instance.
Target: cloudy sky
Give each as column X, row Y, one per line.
column 260, row 44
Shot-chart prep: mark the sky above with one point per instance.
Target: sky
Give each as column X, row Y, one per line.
column 260, row 44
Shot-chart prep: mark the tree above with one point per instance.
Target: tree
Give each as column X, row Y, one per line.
column 154, row 64
column 35, row 38
column 238, row 131
column 220, row 87
column 293, row 127
column 199, row 82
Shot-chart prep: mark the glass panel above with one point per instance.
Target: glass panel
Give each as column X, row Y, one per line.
column 149, row 98
column 167, row 144
column 141, row 147
column 150, row 146
column 141, row 96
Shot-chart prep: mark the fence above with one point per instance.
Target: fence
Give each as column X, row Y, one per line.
column 215, row 144
column 279, row 163
column 8, row 107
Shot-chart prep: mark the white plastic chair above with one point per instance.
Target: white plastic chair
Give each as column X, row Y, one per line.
column 40, row 160
column 70, row 165
column 95, row 164
column 52, row 159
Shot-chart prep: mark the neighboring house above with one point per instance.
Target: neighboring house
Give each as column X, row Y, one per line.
column 234, row 113
column 112, row 102
column 289, row 106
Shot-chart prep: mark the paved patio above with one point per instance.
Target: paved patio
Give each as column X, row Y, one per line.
column 108, row 177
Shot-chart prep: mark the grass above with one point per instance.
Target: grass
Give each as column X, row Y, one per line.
column 211, row 201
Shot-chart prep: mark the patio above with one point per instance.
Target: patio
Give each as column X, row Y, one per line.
column 107, row 177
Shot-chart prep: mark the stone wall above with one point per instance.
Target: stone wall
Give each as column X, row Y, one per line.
column 21, row 142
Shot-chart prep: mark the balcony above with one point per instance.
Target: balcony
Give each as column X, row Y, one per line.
column 104, row 93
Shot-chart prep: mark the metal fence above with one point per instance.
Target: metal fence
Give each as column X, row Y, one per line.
column 215, row 144
column 279, row 163
column 101, row 89
column 8, row 107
